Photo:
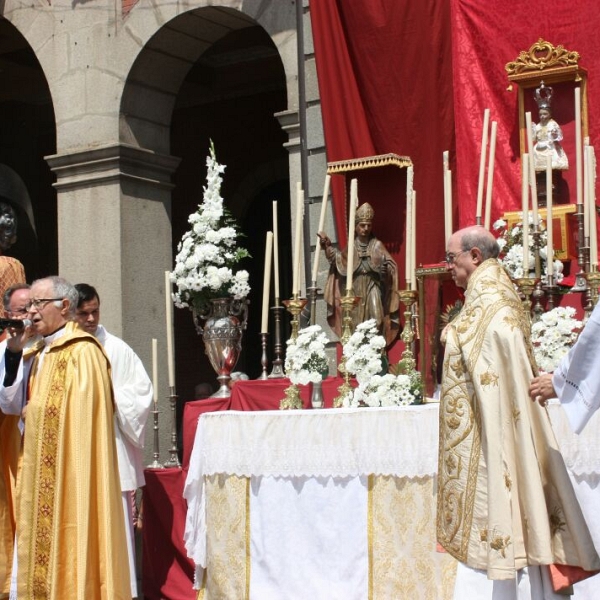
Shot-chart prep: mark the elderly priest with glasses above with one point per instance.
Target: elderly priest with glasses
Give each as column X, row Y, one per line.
column 506, row 507
column 70, row 528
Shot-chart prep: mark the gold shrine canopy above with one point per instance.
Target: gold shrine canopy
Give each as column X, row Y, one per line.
column 382, row 183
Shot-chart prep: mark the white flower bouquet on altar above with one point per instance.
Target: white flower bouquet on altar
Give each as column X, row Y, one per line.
column 208, row 252
column 510, row 241
column 305, row 359
column 366, row 361
column 552, row 336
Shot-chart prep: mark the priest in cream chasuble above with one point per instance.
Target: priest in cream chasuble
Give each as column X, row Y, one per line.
column 505, row 500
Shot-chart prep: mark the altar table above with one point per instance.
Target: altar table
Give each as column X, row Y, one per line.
column 316, row 504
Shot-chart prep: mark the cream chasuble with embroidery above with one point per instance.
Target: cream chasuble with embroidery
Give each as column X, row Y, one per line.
column 70, row 529
column 505, row 500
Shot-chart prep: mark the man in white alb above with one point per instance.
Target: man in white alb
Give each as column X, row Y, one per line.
column 133, row 399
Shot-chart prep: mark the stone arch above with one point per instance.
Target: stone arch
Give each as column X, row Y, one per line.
column 27, row 134
column 214, row 73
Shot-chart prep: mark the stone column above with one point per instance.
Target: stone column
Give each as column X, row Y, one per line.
column 114, row 232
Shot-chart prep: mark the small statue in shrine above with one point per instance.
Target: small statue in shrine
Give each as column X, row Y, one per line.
column 547, row 134
column 375, row 279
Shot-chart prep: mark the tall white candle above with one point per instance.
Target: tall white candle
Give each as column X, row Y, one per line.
column 484, row 140
column 351, row 230
column 549, row 217
column 315, row 271
column 490, row 179
column 525, row 208
column 578, row 148
column 275, row 254
column 155, row 370
column 264, row 328
column 446, row 160
column 586, row 193
column 169, row 318
column 593, row 218
column 408, row 230
column 297, row 238
column 448, row 204
column 532, row 181
column 413, row 237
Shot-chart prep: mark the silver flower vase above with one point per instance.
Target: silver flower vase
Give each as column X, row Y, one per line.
column 221, row 328
column 316, row 396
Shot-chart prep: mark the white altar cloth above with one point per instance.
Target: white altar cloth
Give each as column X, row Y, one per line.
column 338, row 504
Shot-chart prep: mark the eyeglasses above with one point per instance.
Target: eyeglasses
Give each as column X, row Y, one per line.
column 40, row 303
column 450, row 258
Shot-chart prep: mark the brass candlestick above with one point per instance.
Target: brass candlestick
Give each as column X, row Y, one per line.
column 580, row 281
column 312, row 293
column 174, row 458
column 294, row 307
column 593, row 280
column 347, row 302
column 277, row 367
column 550, row 288
column 408, row 297
column 264, row 360
column 156, row 464
column 526, row 286
column 292, row 400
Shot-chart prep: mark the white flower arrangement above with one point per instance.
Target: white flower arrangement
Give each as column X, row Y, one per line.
column 552, row 336
column 207, row 252
column 305, row 359
column 364, row 351
column 510, row 241
column 364, row 359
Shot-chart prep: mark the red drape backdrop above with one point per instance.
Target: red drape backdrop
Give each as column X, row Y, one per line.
column 487, row 35
column 413, row 78
column 385, row 78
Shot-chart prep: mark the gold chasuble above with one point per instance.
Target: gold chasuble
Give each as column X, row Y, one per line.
column 505, row 500
column 70, row 526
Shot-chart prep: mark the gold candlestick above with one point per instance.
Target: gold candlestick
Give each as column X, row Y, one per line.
column 408, row 298
column 593, row 280
column 526, row 286
column 292, row 400
column 348, row 303
column 295, row 306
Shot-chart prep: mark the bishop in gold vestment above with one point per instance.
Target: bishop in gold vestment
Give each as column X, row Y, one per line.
column 70, row 527
column 505, row 500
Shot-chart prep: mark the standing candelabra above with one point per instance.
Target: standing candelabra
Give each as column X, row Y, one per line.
column 294, row 306
column 174, row 458
column 348, row 303
column 156, row 464
column 277, row 368
column 526, row 286
column 593, row 280
column 264, row 359
column 408, row 297
column 312, row 293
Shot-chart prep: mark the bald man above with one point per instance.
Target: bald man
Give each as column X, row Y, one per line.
column 506, row 507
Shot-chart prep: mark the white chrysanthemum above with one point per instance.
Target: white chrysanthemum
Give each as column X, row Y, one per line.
column 305, row 359
column 552, row 335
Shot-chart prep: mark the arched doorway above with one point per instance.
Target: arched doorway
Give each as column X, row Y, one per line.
column 214, row 73
column 27, row 134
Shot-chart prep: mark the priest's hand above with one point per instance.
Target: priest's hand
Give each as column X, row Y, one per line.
column 541, row 389
column 16, row 339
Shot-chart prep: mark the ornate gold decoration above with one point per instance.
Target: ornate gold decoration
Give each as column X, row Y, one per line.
column 368, row 162
column 348, row 303
column 364, row 213
column 489, row 378
column 543, row 56
column 500, row 544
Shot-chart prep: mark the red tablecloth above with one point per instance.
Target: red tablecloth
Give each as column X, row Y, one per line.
column 167, row 571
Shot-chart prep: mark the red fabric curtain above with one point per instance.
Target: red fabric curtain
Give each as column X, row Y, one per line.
column 485, row 36
column 385, row 78
column 413, row 78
